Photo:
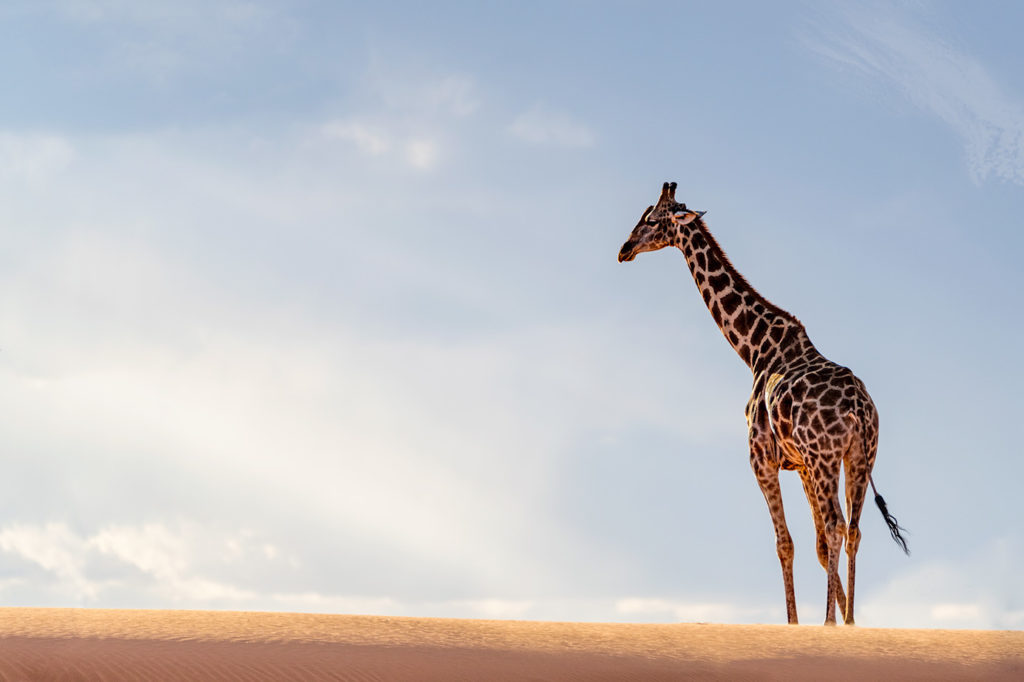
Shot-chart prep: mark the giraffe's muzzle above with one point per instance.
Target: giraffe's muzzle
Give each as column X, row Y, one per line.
column 627, row 252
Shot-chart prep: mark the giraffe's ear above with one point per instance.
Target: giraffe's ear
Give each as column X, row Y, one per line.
column 684, row 216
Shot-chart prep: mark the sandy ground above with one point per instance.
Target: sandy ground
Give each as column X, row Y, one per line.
column 94, row 644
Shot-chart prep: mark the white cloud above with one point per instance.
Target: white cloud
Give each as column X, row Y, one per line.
column 421, row 153
column 33, row 158
column 366, row 138
column 152, row 548
column 160, row 41
column 956, row 613
column 55, row 549
column 453, row 94
column 152, row 358
column 141, row 355
column 659, row 609
column 407, row 120
column 497, row 608
column 937, row 77
column 417, row 152
column 173, row 564
column 169, row 561
column 386, row 141
column 542, row 125
column 978, row 590
column 406, row 91
column 235, row 406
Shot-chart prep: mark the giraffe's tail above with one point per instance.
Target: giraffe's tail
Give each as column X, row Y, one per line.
column 890, row 520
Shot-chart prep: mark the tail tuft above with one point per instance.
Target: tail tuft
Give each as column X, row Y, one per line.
column 894, row 527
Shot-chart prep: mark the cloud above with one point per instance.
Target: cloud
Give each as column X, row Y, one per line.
column 157, row 332
column 406, row 120
column 422, row 153
column 191, row 565
column 939, row 78
column 225, row 338
column 55, row 549
column 668, row 610
column 160, row 46
column 188, row 565
column 544, row 126
column 417, row 152
column 33, row 158
column 367, row 139
column 410, row 90
column 977, row 590
column 167, row 562
column 453, row 94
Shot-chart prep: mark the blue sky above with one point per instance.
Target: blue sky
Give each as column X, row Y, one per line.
column 315, row 306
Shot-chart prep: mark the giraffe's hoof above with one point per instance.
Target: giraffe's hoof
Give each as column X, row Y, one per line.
column 830, row 623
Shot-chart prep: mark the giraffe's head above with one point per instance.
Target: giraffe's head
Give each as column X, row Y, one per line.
column 660, row 225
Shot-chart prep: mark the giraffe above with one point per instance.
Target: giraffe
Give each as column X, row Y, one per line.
column 805, row 413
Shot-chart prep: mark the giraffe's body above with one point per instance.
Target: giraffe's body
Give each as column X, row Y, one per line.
column 805, row 413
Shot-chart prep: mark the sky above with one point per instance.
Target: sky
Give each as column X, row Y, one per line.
column 315, row 306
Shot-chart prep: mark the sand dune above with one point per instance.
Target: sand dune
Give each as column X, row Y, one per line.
column 93, row 644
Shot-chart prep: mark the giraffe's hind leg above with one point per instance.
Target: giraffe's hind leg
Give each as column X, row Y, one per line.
column 826, row 489
column 819, row 529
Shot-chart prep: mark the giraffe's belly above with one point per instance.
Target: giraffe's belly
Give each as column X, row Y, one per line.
column 780, row 420
column 790, row 457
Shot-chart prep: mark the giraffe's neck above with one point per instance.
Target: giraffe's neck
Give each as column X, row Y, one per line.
column 761, row 333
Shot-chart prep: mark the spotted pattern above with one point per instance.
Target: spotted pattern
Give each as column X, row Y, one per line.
column 805, row 413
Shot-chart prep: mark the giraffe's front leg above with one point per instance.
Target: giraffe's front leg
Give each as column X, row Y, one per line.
column 766, row 468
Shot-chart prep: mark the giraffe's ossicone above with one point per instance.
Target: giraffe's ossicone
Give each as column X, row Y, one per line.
column 806, row 413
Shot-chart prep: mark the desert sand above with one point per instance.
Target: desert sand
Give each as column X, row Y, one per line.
column 95, row 644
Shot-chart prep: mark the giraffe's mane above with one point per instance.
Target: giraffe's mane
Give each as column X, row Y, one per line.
column 737, row 277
